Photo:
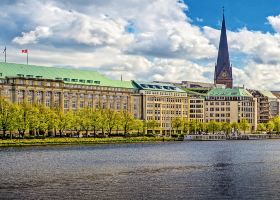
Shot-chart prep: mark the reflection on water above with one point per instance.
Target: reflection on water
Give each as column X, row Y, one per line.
column 186, row 170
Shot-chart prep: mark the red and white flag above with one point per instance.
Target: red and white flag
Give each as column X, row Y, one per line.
column 24, row 51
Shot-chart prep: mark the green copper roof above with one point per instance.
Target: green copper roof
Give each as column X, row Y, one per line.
column 267, row 94
column 67, row 75
column 229, row 92
column 153, row 86
column 193, row 93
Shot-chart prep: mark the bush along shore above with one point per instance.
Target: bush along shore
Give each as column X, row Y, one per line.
column 77, row 141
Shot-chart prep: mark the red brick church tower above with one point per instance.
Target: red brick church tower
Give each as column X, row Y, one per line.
column 223, row 69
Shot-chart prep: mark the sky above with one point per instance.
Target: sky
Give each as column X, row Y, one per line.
column 163, row 40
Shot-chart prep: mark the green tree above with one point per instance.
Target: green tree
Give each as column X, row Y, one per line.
column 24, row 112
column 244, row 125
column 64, row 120
column 177, row 123
column 152, row 125
column 186, row 126
column 96, row 120
column 226, row 127
column 270, row 126
column 126, row 121
column 138, row 125
column 261, row 127
column 7, row 116
column 85, row 116
column 213, row 126
column 276, row 122
column 195, row 126
column 112, row 119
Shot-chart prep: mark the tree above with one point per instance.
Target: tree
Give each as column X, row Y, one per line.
column 186, row 126
column 112, row 119
column 138, row 125
column 24, row 112
column 64, row 120
column 84, row 115
column 276, row 122
column 213, row 126
column 126, row 121
column 244, row 125
column 7, row 115
column 177, row 123
column 270, row 126
column 96, row 120
column 151, row 125
column 261, row 127
column 226, row 127
column 195, row 125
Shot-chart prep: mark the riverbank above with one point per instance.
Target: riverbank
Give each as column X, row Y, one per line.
column 77, row 141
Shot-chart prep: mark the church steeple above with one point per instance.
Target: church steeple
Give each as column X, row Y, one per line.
column 223, row 70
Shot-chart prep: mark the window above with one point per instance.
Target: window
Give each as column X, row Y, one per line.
column 48, row 103
column 66, row 104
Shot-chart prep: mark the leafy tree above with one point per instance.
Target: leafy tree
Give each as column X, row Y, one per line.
column 112, row 120
column 84, row 115
column 213, row 126
column 96, row 120
column 64, row 120
column 186, row 126
column 126, row 121
column 276, row 122
column 151, row 125
column 195, row 126
column 261, row 127
column 244, row 125
column 270, row 126
column 7, row 115
column 24, row 112
column 138, row 125
column 177, row 123
column 226, row 127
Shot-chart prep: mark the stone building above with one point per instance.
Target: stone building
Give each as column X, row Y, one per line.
column 162, row 102
column 267, row 105
column 69, row 89
column 230, row 105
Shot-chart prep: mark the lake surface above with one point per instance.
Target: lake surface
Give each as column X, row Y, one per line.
column 180, row 170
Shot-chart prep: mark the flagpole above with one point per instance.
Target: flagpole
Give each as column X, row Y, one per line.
column 5, row 54
column 5, row 51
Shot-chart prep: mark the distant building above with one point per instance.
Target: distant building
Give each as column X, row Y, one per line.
column 223, row 69
column 194, row 84
column 162, row 102
column 230, row 105
column 267, row 105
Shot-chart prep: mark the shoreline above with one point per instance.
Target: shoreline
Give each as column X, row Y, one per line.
column 80, row 141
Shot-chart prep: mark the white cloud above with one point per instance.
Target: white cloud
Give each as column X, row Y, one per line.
column 32, row 37
column 275, row 22
column 146, row 40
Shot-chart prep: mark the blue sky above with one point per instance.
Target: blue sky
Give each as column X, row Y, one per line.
column 239, row 13
column 164, row 40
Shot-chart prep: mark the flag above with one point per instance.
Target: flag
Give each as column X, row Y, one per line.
column 5, row 50
column 24, row 51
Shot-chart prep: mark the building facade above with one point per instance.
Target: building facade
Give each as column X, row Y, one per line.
column 68, row 89
column 162, row 103
column 267, row 105
column 231, row 105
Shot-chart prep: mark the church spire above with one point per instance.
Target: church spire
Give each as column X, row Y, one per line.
column 223, row 71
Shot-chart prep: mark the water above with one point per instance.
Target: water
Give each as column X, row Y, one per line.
column 181, row 170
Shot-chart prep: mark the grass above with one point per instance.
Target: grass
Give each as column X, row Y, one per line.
column 69, row 141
